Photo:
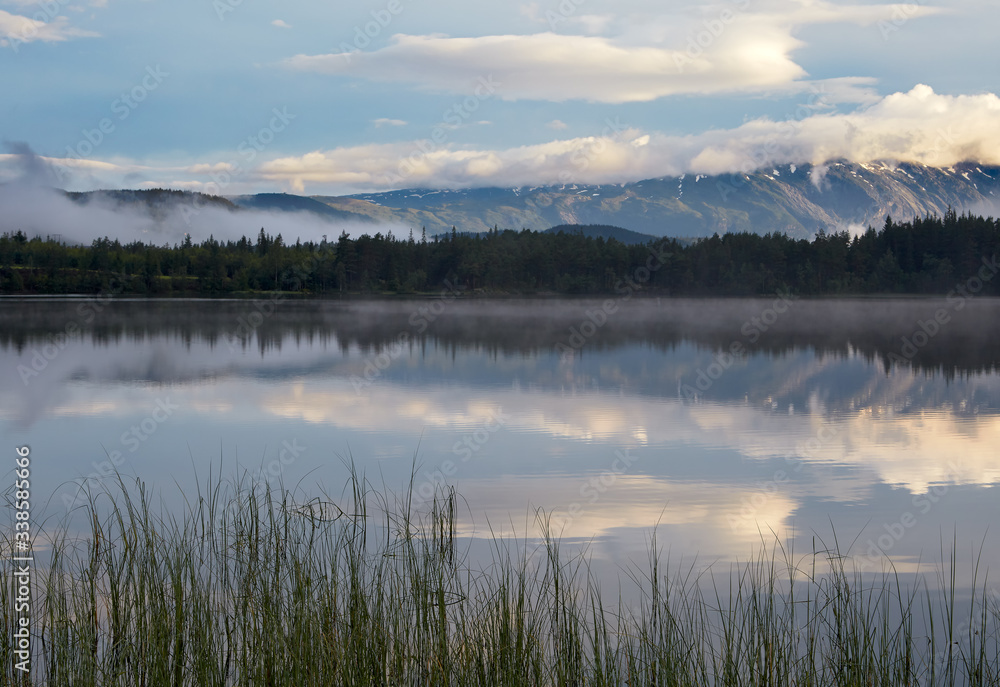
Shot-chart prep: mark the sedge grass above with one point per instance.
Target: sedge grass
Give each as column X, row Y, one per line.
column 244, row 586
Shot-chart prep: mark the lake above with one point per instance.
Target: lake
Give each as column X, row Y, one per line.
column 723, row 423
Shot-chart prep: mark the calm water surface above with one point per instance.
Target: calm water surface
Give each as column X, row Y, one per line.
column 724, row 423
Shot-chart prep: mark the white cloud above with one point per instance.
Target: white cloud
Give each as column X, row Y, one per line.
column 729, row 51
column 917, row 126
column 549, row 66
column 17, row 30
column 281, row 24
column 902, row 450
column 557, row 124
column 593, row 24
column 384, row 121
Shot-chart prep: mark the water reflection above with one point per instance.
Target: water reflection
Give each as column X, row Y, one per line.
column 825, row 417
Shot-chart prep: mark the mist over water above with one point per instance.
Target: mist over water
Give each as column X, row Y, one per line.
column 719, row 420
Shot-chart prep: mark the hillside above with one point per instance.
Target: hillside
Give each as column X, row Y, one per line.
column 604, row 231
column 797, row 200
column 284, row 202
column 157, row 202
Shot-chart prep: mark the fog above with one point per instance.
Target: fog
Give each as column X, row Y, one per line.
column 946, row 337
column 33, row 204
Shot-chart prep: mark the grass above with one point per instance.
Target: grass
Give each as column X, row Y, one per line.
column 244, row 586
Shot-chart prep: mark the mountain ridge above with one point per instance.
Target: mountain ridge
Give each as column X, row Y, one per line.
column 797, row 200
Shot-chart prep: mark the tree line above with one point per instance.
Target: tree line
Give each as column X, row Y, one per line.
column 923, row 256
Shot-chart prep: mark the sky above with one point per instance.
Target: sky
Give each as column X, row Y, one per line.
column 329, row 98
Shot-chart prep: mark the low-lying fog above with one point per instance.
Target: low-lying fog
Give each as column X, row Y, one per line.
column 33, row 204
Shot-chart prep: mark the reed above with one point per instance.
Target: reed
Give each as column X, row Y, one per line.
column 246, row 586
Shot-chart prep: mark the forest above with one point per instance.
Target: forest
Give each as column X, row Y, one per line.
column 929, row 255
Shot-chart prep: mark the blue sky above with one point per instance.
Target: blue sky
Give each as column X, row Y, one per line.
column 236, row 96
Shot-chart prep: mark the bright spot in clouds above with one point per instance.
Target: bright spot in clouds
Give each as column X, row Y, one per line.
column 704, row 88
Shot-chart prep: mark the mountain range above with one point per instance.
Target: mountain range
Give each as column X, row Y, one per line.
column 798, row 200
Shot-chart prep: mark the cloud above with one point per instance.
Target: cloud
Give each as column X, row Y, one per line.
column 917, row 126
column 281, row 24
column 31, row 169
column 550, row 66
column 557, row 124
column 40, row 211
column 383, row 121
column 16, row 30
column 730, row 51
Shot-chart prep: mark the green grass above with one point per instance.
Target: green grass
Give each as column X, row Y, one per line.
column 244, row 587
